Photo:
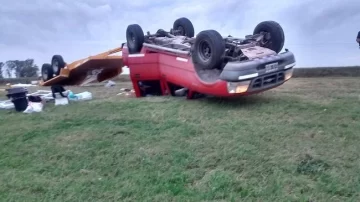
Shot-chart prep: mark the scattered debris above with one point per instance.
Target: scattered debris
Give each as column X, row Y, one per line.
column 80, row 96
column 22, row 85
column 35, row 104
column 61, row 101
column 6, row 104
column 45, row 95
column 73, row 97
column 127, row 92
column 110, row 84
column 22, row 101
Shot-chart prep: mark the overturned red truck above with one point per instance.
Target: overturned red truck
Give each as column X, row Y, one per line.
column 177, row 63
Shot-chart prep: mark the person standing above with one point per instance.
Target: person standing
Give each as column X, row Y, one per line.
column 358, row 38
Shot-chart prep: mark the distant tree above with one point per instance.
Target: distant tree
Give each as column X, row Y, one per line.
column 1, row 73
column 8, row 72
column 22, row 68
column 10, row 67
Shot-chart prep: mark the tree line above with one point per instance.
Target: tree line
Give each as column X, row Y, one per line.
column 18, row 69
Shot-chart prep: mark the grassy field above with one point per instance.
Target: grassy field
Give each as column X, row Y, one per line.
column 299, row 142
column 351, row 71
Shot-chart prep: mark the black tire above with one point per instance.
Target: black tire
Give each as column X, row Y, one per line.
column 277, row 40
column 134, row 38
column 57, row 63
column 208, row 49
column 46, row 72
column 185, row 27
column 161, row 33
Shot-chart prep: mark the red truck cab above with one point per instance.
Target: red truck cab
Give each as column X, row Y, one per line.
column 165, row 72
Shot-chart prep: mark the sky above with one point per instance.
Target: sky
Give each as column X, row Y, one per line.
column 318, row 32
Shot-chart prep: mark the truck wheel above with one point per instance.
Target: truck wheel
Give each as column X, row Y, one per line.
column 185, row 27
column 46, row 72
column 57, row 63
column 275, row 37
column 161, row 33
column 134, row 38
column 208, row 49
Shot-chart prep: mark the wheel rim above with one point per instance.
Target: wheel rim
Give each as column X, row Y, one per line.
column 181, row 30
column 267, row 38
column 204, row 51
column 55, row 66
column 131, row 39
column 45, row 74
column 161, row 33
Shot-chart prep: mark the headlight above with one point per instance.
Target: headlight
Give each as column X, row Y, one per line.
column 238, row 87
column 288, row 74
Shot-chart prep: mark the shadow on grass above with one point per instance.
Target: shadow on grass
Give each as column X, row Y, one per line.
column 244, row 101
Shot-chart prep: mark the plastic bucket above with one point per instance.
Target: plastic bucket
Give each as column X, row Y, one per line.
column 20, row 103
column 16, row 92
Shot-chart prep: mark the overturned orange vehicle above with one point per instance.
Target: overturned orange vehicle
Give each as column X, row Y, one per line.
column 98, row 68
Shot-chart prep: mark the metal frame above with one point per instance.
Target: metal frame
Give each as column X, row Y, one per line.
column 81, row 65
column 181, row 45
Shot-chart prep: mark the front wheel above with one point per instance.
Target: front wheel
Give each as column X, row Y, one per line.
column 134, row 38
column 208, row 49
column 46, row 72
column 274, row 37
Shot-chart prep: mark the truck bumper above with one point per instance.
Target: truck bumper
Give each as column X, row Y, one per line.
column 258, row 75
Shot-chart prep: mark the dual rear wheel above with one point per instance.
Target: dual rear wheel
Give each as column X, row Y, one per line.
column 49, row 71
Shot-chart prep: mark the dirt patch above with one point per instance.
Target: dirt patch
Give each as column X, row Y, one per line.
column 157, row 99
column 202, row 183
column 309, row 166
column 71, row 140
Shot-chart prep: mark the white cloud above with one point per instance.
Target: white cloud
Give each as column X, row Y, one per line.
column 315, row 30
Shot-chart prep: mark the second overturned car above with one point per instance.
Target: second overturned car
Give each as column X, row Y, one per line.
column 209, row 63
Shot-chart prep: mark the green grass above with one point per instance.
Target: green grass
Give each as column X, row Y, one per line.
column 301, row 72
column 299, row 142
